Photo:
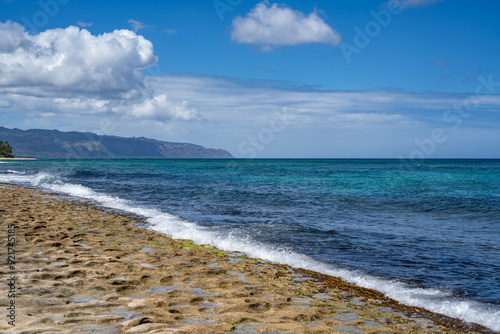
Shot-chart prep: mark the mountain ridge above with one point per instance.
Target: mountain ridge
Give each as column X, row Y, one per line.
column 38, row 143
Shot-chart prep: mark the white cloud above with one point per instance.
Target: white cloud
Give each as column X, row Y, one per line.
column 221, row 100
column 170, row 31
column 162, row 109
column 13, row 37
column 69, row 61
column 355, row 123
column 137, row 25
column 369, row 119
column 275, row 25
column 70, row 72
column 220, row 112
column 84, row 24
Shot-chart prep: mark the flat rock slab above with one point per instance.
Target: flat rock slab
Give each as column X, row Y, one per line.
column 317, row 324
column 385, row 309
column 357, row 301
column 199, row 322
column 345, row 317
column 247, row 329
column 85, row 299
column 302, row 300
column 348, row 329
column 322, row 295
column 299, row 306
column 94, row 329
column 371, row 324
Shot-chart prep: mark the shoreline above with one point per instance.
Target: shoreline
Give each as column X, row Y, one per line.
column 16, row 159
column 98, row 268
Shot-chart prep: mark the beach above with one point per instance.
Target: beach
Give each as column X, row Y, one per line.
column 70, row 267
column 15, row 159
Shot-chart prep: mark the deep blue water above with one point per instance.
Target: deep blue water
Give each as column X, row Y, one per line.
column 427, row 234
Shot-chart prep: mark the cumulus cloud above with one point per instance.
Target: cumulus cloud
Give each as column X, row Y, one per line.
column 162, row 109
column 13, row 37
column 72, row 60
column 70, row 72
column 275, row 25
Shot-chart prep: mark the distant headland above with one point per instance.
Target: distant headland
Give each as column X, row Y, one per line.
column 53, row 144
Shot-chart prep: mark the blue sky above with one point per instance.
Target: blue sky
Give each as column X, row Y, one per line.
column 404, row 78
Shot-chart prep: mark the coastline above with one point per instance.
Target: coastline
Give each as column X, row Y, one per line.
column 16, row 159
column 78, row 267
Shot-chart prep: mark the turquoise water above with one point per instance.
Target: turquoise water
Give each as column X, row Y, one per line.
column 427, row 234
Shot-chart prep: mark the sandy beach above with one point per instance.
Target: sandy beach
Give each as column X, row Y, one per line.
column 70, row 267
column 15, row 159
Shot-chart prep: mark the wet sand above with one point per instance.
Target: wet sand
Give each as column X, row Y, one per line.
column 81, row 269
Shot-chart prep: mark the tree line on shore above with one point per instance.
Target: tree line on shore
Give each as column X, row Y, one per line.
column 6, row 150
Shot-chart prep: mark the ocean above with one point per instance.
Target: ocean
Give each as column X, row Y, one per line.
column 425, row 234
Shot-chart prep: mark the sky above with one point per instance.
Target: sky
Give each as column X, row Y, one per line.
column 411, row 79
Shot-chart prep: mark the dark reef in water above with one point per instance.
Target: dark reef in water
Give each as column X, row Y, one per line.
column 57, row 144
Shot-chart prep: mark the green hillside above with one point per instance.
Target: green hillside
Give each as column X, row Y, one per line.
column 57, row 144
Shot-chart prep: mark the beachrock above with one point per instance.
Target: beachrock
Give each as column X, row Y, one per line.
column 148, row 328
column 292, row 328
column 348, row 329
column 128, row 324
column 345, row 317
column 357, row 301
column 199, row 322
column 38, row 331
column 302, row 300
column 371, row 324
column 323, row 296
column 146, row 303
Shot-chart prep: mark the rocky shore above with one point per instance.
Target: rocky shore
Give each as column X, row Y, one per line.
column 70, row 267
